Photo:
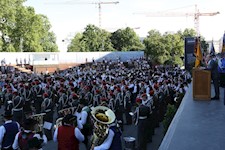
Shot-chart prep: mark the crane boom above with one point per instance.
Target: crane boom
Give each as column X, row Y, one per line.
column 196, row 15
column 96, row 3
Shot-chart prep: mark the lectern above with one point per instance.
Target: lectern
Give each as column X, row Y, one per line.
column 201, row 84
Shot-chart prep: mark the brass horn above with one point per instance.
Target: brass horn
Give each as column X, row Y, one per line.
column 39, row 118
column 66, row 111
column 103, row 116
column 58, row 122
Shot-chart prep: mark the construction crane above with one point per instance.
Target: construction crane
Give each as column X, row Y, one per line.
column 100, row 3
column 196, row 15
column 100, row 10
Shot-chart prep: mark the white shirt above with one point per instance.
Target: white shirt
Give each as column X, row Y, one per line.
column 77, row 133
column 16, row 141
column 81, row 117
column 107, row 143
column 3, row 131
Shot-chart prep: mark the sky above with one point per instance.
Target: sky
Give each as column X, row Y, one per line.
column 69, row 17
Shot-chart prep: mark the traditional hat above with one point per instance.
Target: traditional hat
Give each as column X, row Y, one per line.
column 28, row 123
column 45, row 95
column 138, row 100
column 103, row 99
column 118, row 89
column 151, row 92
column 97, row 91
column 7, row 113
column 69, row 118
column 74, row 95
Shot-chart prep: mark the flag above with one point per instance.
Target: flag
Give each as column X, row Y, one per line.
column 198, row 52
column 212, row 50
column 223, row 46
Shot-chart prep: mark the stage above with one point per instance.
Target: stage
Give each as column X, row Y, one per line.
column 197, row 125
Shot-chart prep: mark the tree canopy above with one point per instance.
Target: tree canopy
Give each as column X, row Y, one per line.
column 23, row 30
column 126, row 40
column 168, row 47
column 96, row 39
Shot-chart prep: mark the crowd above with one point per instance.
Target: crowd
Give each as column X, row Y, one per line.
column 124, row 87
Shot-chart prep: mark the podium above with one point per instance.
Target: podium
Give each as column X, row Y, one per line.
column 201, row 84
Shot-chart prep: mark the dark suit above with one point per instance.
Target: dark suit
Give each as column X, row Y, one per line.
column 213, row 67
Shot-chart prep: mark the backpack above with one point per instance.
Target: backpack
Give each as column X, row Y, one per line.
column 23, row 139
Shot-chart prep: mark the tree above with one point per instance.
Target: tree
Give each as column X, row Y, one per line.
column 126, row 40
column 27, row 31
column 154, row 46
column 96, row 39
column 76, row 44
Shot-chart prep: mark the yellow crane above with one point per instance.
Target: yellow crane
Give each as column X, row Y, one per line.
column 196, row 15
column 100, row 3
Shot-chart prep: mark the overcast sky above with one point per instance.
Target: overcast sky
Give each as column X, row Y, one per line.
column 71, row 16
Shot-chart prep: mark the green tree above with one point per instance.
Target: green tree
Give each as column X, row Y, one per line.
column 96, row 39
column 76, row 44
column 25, row 28
column 126, row 40
column 155, row 47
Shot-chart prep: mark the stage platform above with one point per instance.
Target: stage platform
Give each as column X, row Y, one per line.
column 197, row 125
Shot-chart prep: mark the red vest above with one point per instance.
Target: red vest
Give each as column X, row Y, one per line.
column 66, row 138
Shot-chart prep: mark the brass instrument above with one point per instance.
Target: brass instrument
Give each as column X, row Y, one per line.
column 58, row 122
column 39, row 118
column 64, row 112
column 102, row 116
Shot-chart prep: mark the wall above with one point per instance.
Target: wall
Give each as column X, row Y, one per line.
column 70, row 57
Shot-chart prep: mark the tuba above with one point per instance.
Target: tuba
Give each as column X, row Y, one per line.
column 39, row 118
column 102, row 117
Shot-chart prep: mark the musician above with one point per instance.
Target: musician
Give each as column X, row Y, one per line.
column 8, row 131
column 113, row 139
column 38, row 91
column 111, row 98
column 127, row 105
column 83, row 119
column 18, row 103
column 141, row 115
column 119, row 106
column 96, row 98
column 27, row 97
column 22, row 137
column 68, row 135
column 116, row 142
column 88, row 96
column 147, row 101
column 47, row 108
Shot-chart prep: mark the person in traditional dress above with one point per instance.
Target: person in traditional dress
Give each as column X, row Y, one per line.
column 8, row 131
column 68, row 135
